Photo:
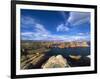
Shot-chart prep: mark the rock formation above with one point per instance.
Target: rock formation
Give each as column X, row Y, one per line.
column 77, row 57
column 56, row 62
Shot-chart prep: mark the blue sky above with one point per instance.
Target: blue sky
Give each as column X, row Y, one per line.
column 54, row 25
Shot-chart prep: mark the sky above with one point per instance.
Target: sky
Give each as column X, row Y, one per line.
column 54, row 25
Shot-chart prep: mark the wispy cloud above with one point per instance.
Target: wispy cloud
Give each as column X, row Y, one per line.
column 52, row 37
column 39, row 28
column 77, row 18
column 29, row 22
column 64, row 15
column 34, row 30
column 82, row 34
column 26, row 20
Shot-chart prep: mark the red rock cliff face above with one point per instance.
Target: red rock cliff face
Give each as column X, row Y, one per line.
column 74, row 44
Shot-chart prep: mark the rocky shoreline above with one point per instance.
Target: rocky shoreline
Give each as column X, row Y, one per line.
column 60, row 61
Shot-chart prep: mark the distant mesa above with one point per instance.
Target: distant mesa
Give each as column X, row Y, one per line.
column 56, row 62
column 68, row 44
column 74, row 44
column 60, row 44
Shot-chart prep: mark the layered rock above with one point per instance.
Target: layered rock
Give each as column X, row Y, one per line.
column 71, row 44
column 56, row 62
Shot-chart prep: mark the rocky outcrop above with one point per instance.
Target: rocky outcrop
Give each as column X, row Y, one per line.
column 88, row 56
column 56, row 62
column 75, row 57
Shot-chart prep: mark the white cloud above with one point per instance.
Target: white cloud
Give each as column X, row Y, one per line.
column 81, row 33
column 41, row 33
column 26, row 35
column 37, row 31
column 39, row 28
column 64, row 15
column 62, row 28
column 77, row 18
column 33, row 36
column 52, row 37
column 27, row 20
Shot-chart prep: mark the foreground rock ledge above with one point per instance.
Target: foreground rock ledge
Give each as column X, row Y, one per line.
column 56, row 62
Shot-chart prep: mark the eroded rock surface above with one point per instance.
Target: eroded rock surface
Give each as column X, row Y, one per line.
column 56, row 62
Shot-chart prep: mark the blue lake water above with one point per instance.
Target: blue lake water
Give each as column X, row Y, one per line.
column 83, row 51
column 65, row 52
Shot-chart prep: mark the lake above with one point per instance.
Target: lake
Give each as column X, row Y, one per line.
column 65, row 52
column 83, row 51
